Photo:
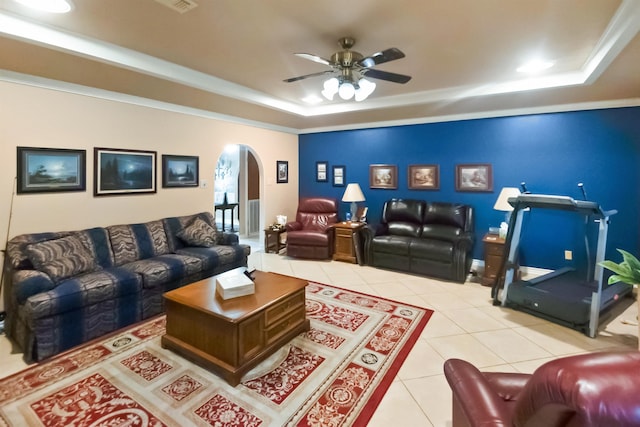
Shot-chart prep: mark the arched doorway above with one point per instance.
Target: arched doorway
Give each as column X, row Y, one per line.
column 237, row 191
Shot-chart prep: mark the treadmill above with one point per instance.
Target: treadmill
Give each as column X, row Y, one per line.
column 564, row 296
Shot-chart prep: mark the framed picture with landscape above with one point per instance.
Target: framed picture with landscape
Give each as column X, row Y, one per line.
column 118, row 172
column 179, row 171
column 474, row 177
column 383, row 176
column 424, row 177
column 44, row 170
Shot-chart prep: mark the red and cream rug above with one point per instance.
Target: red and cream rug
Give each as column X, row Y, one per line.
column 333, row 375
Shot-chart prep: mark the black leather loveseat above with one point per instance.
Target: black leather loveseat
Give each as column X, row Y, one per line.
column 427, row 238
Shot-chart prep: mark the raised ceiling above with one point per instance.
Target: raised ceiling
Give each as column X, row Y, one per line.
column 229, row 57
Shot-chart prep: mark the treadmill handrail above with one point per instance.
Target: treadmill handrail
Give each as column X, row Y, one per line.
column 547, row 201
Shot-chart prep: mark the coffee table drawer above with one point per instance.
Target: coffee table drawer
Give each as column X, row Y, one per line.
column 278, row 311
column 285, row 325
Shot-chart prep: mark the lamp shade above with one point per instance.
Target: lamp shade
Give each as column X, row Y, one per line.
column 502, row 204
column 353, row 193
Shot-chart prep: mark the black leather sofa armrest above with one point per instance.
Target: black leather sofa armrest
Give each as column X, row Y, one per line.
column 464, row 242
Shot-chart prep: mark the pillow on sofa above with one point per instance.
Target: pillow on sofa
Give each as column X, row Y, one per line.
column 61, row 258
column 199, row 233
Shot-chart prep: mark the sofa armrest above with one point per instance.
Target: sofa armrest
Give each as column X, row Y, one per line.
column 464, row 242
column 475, row 396
column 26, row 283
column 230, row 239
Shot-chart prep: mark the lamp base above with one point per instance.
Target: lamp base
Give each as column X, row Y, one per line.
column 354, row 209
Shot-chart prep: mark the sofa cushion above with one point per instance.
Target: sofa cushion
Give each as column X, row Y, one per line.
column 163, row 269
column 133, row 242
column 82, row 291
column 17, row 247
column 61, row 258
column 438, row 250
column 307, row 238
column 441, row 232
column 446, row 214
column 403, row 229
column 174, row 225
column 199, row 233
column 214, row 257
column 390, row 244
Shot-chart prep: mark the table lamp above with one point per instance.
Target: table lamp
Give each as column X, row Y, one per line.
column 353, row 194
column 502, row 204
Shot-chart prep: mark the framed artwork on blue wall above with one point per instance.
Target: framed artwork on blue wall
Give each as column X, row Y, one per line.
column 474, row 177
column 44, row 170
column 424, row 177
column 383, row 176
column 339, row 174
column 321, row 171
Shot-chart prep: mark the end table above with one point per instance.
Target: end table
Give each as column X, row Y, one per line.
column 273, row 241
column 347, row 241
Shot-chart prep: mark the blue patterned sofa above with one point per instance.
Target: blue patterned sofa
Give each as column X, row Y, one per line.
column 66, row 288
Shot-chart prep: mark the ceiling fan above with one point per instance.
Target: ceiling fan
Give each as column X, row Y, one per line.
column 349, row 69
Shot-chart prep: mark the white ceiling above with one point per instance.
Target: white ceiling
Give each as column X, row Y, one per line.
column 229, row 57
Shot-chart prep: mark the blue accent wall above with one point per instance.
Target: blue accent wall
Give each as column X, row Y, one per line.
column 552, row 153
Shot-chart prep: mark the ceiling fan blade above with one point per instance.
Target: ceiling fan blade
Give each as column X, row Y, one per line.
column 381, row 57
column 295, row 79
column 313, row 58
column 385, row 75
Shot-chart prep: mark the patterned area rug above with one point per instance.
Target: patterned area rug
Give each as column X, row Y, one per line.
column 333, row 375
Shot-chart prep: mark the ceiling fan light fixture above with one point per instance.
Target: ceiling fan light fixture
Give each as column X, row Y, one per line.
column 346, row 91
column 365, row 88
column 330, row 88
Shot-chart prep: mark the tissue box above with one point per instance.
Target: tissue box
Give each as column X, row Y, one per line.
column 233, row 286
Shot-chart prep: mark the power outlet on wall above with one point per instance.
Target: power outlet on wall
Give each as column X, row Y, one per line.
column 568, row 255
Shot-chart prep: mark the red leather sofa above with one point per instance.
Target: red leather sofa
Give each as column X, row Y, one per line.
column 596, row 389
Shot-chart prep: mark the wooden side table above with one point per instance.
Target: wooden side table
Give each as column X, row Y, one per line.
column 273, row 241
column 346, row 233
column 494, row 252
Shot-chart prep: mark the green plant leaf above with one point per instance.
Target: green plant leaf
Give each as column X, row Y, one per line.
column 628, row 271
column 632, row 261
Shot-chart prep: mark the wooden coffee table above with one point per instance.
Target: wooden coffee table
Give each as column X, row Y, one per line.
column 229, row 337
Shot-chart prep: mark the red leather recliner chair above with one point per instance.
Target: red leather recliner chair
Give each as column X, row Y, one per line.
column 595, row 389
column 310, row 235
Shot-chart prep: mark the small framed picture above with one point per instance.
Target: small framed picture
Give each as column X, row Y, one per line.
column 383, row 176
column 179, row 171
column 45, row 170
column 339, row 173
column 424, row 177
column 474, row 177
column 282, row 171
column 321, row 171
column 118, row 172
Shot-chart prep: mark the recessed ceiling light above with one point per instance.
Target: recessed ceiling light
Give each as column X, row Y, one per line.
column 52, row 6
column 312, row 99
column 535, row 66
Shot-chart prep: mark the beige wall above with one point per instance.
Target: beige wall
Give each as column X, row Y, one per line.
column 37, row 117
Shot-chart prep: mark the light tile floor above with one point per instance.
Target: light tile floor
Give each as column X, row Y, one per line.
column 464, row 325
